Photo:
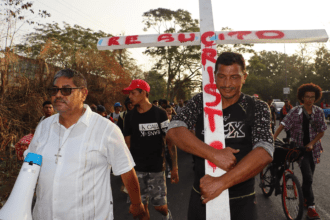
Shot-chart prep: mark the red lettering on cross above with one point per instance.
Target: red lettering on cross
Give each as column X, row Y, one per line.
column 208, row 54
column 221, row 36
column 219, row 146
column 204, row 39
column 132, row 40
column 262, row 34
column 165, row 37
column 210, row 112
column 182, row 38
column 113, row 41
column 240, row 34
column 211, row 89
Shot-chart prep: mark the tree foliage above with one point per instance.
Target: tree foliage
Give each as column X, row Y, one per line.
column 13, row 15
column 75, row 47
column 271, row 71
column 157, row 85
column 180, row 65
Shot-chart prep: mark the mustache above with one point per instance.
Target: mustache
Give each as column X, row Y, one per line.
column 60, row 100
column 223, row 87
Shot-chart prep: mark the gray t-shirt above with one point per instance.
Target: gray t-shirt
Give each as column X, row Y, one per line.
column 115, row 117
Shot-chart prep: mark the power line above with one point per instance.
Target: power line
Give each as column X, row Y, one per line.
column 82, row 14
column 57, row 11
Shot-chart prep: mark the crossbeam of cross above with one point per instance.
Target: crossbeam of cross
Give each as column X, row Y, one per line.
column 218, row 208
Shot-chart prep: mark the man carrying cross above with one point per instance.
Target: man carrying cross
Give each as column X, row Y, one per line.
column 79, row 147
column 248, row 139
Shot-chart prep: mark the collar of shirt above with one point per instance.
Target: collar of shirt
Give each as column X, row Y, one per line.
column 301, row 109
column 85, row 118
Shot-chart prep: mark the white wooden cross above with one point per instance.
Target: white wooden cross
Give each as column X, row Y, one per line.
column 218, row 208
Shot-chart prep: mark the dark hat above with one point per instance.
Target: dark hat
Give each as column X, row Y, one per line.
column 100, row 108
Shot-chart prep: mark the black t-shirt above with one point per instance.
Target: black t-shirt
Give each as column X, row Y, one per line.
column 246, row 124
column 147, row 131
column 306, row 138
column 238, row 134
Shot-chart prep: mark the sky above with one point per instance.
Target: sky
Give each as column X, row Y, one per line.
column 125, row 17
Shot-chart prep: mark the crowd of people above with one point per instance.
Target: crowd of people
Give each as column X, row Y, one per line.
column 81, row 143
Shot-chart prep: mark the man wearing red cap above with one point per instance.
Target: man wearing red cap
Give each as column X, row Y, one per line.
column 144, row 132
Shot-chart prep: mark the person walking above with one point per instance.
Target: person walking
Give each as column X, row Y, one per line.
column 307, row 125
column 78, row 149
column 144, row 132
column 248, row 138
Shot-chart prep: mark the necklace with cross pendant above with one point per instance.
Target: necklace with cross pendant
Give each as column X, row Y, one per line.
column 59, row 138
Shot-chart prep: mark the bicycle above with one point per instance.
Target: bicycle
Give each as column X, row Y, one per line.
column 278, row 169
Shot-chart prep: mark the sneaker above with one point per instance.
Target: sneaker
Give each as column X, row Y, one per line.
column 169, row 175
column 169, row 216
column 312, row 214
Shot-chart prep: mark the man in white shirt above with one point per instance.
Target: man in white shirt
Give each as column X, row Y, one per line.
column 79, row 147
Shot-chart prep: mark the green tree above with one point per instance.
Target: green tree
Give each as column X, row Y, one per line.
column 180, row 65
column 75, row 47
column 271, row 71
column 321, row 67
column 157, row 85
column 172, row 61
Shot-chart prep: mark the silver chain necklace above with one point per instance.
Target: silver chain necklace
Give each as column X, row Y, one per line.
column 59, row 138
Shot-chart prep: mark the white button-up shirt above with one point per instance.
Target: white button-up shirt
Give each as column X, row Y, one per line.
column 78, row 186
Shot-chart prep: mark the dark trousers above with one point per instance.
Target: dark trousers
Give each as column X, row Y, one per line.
column 307, row 168
column 242, row 208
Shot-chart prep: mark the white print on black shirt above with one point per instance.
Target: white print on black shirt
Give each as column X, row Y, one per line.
column 164, row 125
column 150, row 129
column 225, row 118
column 234, row 129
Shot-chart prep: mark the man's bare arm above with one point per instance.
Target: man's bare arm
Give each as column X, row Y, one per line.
column 224, row 159
column 128, row 141
column 278, row 131
column 173, row 153
column 131, row 183
column 174, row 156
column 311, row 144
column 248, row 167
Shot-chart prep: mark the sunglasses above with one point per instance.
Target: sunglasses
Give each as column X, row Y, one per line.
column 64, row 91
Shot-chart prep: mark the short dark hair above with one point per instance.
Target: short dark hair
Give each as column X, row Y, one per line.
column 154, row 101
column 162, row 101
column 309, row 87
column 230, row 58
column 78, row 79
column 47, row 103
column 140, row 90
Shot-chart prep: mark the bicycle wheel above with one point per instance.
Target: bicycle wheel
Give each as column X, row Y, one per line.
column 266, row 181
column 292, row 198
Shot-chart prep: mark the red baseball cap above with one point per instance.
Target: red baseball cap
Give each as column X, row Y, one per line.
column 137, row 84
